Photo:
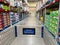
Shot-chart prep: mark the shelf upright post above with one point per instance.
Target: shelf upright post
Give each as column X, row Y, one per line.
column 22, row 15
column 59, row 26
column 44, row 14
column 42, row 28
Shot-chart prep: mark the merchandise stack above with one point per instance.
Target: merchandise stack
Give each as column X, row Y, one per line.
column 54, row 22
column 51, row 22
column 17, row 17
column 4, row 14
column 1, row 22
column 12, row 18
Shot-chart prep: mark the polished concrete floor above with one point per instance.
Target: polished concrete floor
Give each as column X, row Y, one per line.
column 31, row 21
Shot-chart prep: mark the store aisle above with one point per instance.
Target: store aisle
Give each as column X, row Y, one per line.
column 29, row 39
column 30, row 21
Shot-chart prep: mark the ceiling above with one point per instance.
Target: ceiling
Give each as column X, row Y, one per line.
column 32, row 4
column 33, row 0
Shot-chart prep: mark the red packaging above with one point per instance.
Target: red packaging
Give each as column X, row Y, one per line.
column 5, row 20
column 8, row 19
column 1, row 23
column 1, row 0
column 1, row 26
column 0, row 16
column 1, row 19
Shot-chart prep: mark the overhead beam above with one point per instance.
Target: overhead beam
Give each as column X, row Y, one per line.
column 33, row 0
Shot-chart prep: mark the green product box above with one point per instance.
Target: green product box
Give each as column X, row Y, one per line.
column 55, row 13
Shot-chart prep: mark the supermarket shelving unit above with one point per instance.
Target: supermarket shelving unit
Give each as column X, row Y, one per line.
column 51, row 22
column 4, row 15
column 8, row 34
column 24, row 12
column 14, row 15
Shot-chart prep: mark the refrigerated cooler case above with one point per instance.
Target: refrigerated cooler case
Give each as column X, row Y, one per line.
column 51, row 22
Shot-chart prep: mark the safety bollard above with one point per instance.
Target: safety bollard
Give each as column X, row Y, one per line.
column 42, row 31
column 15, row 31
